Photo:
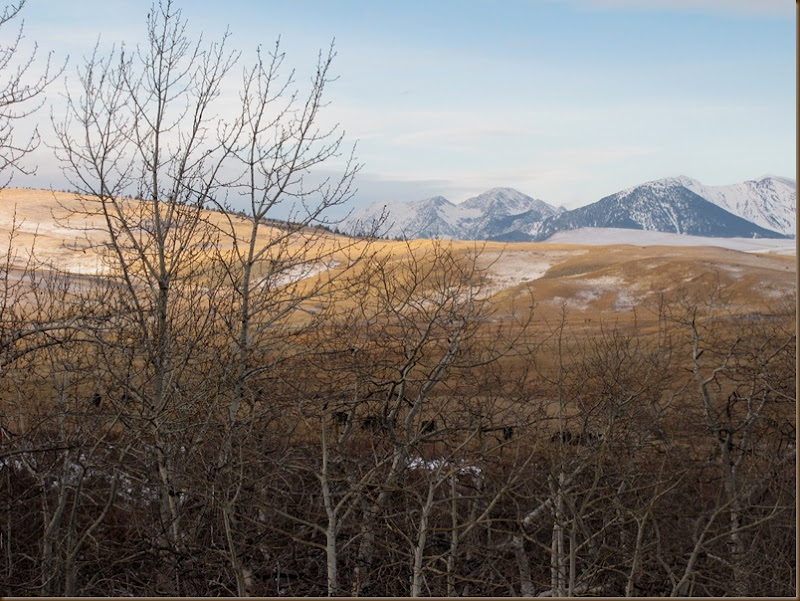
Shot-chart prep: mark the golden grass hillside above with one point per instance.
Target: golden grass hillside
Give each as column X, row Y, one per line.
column 593, row 283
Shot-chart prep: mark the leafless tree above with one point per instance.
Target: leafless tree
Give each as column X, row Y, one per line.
column 23, row 80
column 140, row 125
column 147, row 124
column 744, row 390
column 272, row 269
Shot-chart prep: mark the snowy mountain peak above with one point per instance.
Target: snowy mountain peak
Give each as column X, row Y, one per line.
column 769, row 201
column 507, row 201
column 663, row 184
column 680, row 180
column 501, row 191
column 439, row 201
column 785, row 180
column 491, row 214
column 666, row 205
column 505, row 194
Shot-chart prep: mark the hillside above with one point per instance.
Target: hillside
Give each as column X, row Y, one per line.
column 632, row 269
column 67, row 232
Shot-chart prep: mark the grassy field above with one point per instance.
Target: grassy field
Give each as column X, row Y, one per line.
column 605, row 283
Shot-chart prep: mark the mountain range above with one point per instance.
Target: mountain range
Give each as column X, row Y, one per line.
column 763, row 208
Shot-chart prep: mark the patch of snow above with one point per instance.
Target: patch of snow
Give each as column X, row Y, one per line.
column 459, row 468
column 774, row 290
column 734, row 270
column 516, row 267
column 418, row 463
column 603, row 283
column 592, row 289
column 580, row 301
column 626, row 300
column 299, row 272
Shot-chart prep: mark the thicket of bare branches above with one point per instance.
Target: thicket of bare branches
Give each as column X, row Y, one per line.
column 240, row 406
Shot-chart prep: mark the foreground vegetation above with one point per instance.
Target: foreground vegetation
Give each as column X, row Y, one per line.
column 232, row 405
column 384, row 430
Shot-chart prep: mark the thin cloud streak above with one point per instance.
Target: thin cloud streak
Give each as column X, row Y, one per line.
column 766, row 8
column 542, row 178
column 458, row 133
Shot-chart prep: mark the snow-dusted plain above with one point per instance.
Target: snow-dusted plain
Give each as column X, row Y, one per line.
column 510, row 268
column 602, row 236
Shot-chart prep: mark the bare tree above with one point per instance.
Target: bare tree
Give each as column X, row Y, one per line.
column 145, row 144
column 272, row 269
column 23, row 81
column 744, row 390
column 140, row 125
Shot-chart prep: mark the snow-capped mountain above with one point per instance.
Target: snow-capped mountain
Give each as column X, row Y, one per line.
column 494, row 214
column 664, row 205
column 769, row 201
column 763, row 208
column 503, row 211
column 428, row 218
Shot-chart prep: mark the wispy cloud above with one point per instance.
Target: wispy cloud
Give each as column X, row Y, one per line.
column 599, row 155
column 771, row 8
column 457, row 133
column 543, row 177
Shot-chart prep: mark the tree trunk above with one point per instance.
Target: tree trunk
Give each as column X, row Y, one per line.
column 419, row 549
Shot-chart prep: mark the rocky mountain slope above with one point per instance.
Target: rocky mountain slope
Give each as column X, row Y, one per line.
column 769, row 201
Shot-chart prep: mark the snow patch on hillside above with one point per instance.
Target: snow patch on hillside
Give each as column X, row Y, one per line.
column 297, row 273
column 774, row 290
column 578, row 302
column 512, row 268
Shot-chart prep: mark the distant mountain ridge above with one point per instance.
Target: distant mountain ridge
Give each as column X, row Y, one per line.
column 763, row 208
column 496, row 212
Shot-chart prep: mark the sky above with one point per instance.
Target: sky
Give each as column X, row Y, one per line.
column 565, row 100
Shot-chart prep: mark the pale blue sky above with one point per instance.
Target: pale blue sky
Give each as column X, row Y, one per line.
column 565, row 100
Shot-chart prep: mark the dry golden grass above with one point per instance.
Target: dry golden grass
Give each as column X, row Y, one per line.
column 594, row 283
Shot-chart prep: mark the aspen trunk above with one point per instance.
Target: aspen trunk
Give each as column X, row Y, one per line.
column 419, row 550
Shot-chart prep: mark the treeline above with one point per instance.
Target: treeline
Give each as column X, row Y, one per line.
column 232, row 408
